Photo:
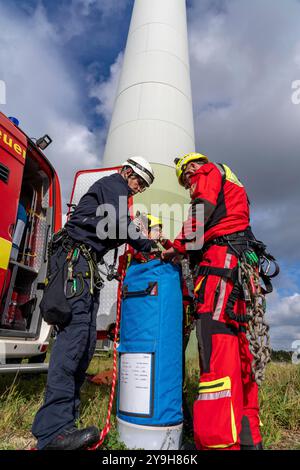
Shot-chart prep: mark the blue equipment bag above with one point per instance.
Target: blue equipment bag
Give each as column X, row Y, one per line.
column 150, row 349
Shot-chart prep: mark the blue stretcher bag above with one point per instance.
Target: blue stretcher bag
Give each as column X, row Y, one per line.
column 150, row 349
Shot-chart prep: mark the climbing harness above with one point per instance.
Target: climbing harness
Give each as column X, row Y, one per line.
column 251, row 282
column 74, row 283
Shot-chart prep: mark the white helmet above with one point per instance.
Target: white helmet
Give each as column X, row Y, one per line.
column 142, row 168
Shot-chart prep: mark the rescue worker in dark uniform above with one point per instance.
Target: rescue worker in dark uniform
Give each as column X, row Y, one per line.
column 76, row 250
column 226, row 413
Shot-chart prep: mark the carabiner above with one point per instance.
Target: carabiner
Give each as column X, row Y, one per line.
column 268, row 261
column 73, row 288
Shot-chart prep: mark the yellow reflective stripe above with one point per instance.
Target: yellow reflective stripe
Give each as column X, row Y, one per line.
column 215, row 385
column 233, row 426
column 199, row 285
column 129, row 259
column 230, row 176
column 5, row 249
column 221, row 446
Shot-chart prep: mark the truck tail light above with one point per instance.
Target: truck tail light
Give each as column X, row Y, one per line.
column 43, row 348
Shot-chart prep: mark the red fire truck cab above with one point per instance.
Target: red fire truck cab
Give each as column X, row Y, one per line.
column 30, row 208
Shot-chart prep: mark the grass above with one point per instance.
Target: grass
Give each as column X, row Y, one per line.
column 279, row 399
column 21, row 396
column 280, row 405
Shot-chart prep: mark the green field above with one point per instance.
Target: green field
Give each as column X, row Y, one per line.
column 21, row 396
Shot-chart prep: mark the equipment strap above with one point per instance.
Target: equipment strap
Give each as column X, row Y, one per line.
column 222, row 272
column 142, row 293
column 268, row 284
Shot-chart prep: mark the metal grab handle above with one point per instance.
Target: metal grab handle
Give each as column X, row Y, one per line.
column 140, row 293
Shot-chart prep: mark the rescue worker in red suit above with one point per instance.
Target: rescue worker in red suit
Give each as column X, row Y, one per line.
column 226, row 413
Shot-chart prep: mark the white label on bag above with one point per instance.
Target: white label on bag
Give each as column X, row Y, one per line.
column 135, row 383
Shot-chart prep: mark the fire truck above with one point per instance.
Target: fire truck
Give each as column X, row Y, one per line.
column 30, row 208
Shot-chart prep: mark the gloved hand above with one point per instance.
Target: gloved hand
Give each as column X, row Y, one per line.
column 171, row 255
column 154, row 247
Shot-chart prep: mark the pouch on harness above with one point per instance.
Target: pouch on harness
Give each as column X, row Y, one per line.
column 54, row 306
column 61, row 282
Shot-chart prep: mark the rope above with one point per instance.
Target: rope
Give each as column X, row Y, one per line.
column 258, row 330
column 107, row 426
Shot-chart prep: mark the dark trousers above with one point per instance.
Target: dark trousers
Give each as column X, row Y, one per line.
column 71, row 354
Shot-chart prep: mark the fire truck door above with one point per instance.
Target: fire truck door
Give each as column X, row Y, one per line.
column 12, row 160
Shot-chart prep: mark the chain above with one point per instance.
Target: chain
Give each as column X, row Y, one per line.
column 258, row 330
column 187, row 276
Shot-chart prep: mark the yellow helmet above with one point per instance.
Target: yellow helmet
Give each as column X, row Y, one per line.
column 152, row 221
column 182, row 162
column 148, row 220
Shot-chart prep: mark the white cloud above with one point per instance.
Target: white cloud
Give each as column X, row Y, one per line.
column 283, row 315
column 77, row 149
column 106, row 91
column 43, row 93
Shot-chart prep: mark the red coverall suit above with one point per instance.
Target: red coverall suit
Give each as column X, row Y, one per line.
column 226, row 413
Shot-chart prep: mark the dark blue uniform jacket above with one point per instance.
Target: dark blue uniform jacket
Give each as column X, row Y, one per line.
column 88, row 224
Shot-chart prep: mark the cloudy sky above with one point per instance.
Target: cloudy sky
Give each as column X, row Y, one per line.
column 61, row 60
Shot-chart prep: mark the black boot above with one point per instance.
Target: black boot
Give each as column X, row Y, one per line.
column 188, row 446
column 258, row 446
column 74, row 439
